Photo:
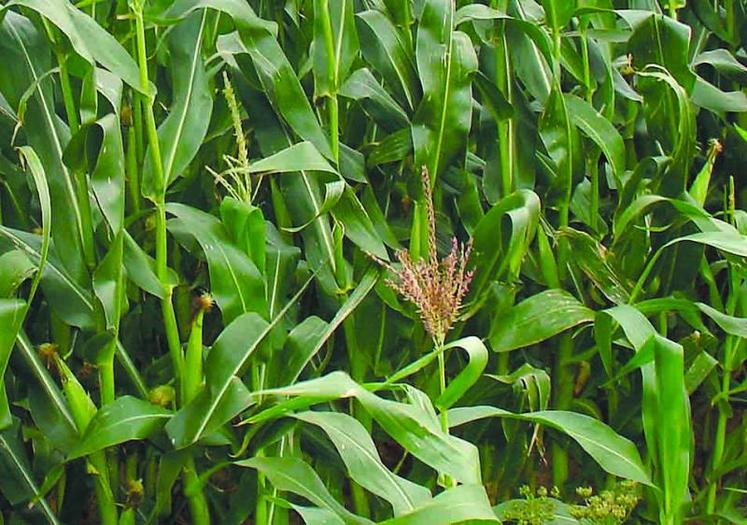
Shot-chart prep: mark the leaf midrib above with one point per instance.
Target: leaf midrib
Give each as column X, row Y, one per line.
column 376, row 461
column 29, row 481
column 183, row 117
column 50, row 122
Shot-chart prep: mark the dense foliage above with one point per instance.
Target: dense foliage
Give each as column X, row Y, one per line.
column 354, row 261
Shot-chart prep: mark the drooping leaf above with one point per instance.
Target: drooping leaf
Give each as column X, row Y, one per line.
column 91, row 41
column 614, row 453
column 598, row 129
column 728, row 323
column 458, row 504
column 294, row 475
column 28, row 61
column 496, row 248
column 299, row 157
column 477, row 359
column 415, row 429
column 363, row 87
column 537, row 318
column 358, row 452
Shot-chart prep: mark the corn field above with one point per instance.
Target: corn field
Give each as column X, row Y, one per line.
column 345, row 262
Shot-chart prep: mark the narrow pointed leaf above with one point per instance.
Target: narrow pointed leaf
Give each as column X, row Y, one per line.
column 294, row 475
column 182, row 132
column 358, row 452
column 614, row 453
column 127, row 418
column 537, row 318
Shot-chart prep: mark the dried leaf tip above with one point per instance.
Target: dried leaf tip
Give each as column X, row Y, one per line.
column 435, row 287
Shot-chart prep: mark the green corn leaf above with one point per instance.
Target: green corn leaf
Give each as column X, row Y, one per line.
column 18, row 484
column 614, row 453
column 595, row 261
column 454, row 505
column 170, row 465
column 15, row 268
column 357, row 224
column 141, row 268
column 562, row 142
column 492, row 98
column 71, row 301
column 224, row 395
column 384, row 47
column 302, row 340
column 42, row 190
column 477, row 356
column 664, row 392
column 731, row 325
column 223, row 392
column 498, row 249
column 182, row 132
column 318, row 516
column 392, row 148
column 358, row 452
column 598, row 129
column 236, row 283
column 275, row 73
column 414, row 428
column 97, row 148
column 723, row 61
column 108, row 283
column 335, row 44
column 534, row 382
column 383, row 108
column 294, row 475
column 730, row 242
column 443, row 118
column 301, row 193
column 28, row 61
column 49, row 410
column 299, row 157
column 91, row 41
column 710, row 18
column 124, row 419
column 12, row 312
column 536, row 319
column 558, row 12
column 710, row 97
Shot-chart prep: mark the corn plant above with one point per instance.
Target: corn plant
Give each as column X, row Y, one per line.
column 357, row 261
